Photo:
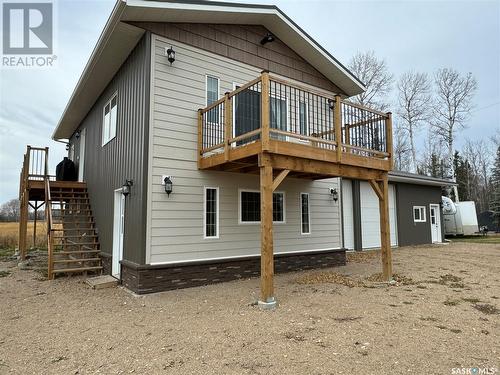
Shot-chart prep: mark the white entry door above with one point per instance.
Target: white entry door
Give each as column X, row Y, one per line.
column 118, row 230
column 81, row 157
column 435, row 223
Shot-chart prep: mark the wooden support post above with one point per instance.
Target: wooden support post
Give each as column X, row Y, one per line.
column 23, row 224
column 265, row 111
column 228, row 119
column 338, row 126
column 266, row 227
column 200, row 136
column 34, row 224
column 385, row 235
column 388, row 134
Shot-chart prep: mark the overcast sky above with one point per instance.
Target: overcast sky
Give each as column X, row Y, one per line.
column 419, row 35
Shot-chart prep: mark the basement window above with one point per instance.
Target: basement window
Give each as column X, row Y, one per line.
column 419, row 214
column 305, row 227
column 211, row 215
column 250, row 207
column 110, row 112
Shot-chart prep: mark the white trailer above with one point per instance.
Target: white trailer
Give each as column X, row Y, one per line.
column 460, row 218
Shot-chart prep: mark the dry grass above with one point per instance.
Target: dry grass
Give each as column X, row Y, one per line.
column 9, row 234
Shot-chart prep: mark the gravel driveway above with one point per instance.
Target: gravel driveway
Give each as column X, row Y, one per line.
column 442, row 315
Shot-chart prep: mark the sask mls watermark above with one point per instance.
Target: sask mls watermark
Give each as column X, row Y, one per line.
column 28, row 35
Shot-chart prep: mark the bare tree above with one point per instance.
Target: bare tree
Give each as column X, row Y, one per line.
column 373, row 72
column 453, row 104
column 431, row 161
column 495, row 138
column 402, row 149
column 10, row 211
column 413, row 106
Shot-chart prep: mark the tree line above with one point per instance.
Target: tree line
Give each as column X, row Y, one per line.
column 437, row 107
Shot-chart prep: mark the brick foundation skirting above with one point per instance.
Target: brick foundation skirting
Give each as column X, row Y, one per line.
column 143, row 279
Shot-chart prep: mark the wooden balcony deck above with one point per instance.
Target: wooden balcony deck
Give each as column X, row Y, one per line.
column 279, row 129
column 296, row 127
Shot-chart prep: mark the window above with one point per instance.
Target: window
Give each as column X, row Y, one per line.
column 303, row 120
column 212, row 96
column 109, row 119
column 304, row 214
column 419, row 214
column 250, row 207
column 211, row 215
column 246, row 113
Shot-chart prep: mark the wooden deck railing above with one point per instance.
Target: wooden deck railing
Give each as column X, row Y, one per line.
column 35, row 168
column 270, row 108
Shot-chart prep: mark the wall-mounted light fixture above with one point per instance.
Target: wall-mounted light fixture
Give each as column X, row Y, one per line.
column 67, row 146
column 331, row 103
column 167, row 181
column 77, row 134
column 170, row 55
column 126, row 187
column 335, row 194
column 267, row 39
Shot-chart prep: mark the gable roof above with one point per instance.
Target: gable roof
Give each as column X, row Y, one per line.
column 119, row 38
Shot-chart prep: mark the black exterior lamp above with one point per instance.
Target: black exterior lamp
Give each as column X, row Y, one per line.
column 331, row 103
column 170, row 55
column 168, row 185
column 267, row 39
column 126, row 187
column 335, row 194
column 77, row 134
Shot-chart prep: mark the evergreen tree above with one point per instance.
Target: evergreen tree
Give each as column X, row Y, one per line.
column 462, row 170
column 495, row 186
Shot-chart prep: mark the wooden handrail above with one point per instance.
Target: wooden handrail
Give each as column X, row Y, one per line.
column 359, row 106
column 48, row 219
column 303, row 137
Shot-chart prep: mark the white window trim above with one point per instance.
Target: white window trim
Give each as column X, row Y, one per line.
column 115, row 95
column 206, row 87
column 205, row 188
column 241, row 222
column 308, row 213
column 421, row 220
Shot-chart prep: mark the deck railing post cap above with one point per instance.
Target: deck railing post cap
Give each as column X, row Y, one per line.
column 265, row 71
column 389, row 113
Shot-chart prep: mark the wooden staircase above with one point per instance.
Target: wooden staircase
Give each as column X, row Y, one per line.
column 73, row 244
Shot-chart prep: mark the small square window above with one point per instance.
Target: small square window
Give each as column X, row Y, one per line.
column 419, row 214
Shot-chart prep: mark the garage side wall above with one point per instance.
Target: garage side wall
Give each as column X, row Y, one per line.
column 408, row 195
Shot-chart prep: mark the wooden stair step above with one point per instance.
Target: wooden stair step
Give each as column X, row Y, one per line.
column 81, row 269
column 81, row 243
column 74, row 252
column 81, row 260
column 83, row 235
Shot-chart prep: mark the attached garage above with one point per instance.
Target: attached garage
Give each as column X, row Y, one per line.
column 414, row 211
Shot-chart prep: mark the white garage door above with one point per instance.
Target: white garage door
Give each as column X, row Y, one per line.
column 370, row 216
column 347, row 214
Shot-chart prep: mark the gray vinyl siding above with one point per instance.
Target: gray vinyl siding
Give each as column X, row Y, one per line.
column 124, row 157
column 175, row 223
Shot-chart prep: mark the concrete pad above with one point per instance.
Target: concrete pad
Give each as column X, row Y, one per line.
column 101, row 282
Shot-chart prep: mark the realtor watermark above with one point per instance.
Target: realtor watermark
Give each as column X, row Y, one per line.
column 474, row 371
column 28, row 34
